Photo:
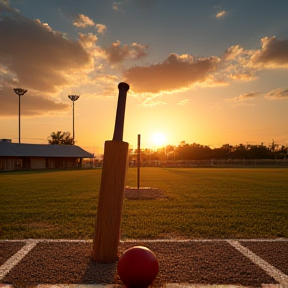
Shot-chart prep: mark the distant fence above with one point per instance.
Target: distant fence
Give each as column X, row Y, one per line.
column 218, row 163
column 94, row 163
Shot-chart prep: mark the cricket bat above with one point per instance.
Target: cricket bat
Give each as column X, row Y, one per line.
column 109, row 213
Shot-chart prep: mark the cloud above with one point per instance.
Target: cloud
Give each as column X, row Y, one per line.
column 117, row 53
column 89, row 43
column 47, row 63
column 32, row 103
column 232, row 52
column 83, row 21
column 43, row 66
column 247, row 75
column 183, row 102
column 53, row 62
column 220, row 14
column 235, row 64
column 47, row 59
column 277, row 94
column 107, row 78
column 244, row 97
column 174, row 74
column 274, row 54
column 87, row 40
column 152, row 102
column 101, row 28
column 181, row 72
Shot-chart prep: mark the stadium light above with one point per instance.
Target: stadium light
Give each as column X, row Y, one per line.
column 19, row 92
column 73, row 98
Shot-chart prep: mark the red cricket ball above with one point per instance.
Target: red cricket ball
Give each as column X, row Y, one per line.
column 138, row 267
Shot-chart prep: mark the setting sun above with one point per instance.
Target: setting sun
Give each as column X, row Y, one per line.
column 158, row 139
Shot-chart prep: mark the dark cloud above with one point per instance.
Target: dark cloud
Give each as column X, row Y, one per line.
column 277, row 94
column 249, row 95
column 31, row 103
column 117, row 53
column 244, row 97
column 34, row 57
column 274, row 53
column 175, row 73
column 37, row 56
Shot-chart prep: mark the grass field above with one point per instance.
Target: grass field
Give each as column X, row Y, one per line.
column 201, row 203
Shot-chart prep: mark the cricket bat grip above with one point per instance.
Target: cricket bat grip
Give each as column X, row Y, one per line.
column 120, row 114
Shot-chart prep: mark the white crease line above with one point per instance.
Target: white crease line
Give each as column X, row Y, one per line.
column 51, row 240
column 279, row 276
column 16, row 258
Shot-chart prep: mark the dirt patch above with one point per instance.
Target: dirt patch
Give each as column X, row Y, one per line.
column 144, row 193
column 186, row 262
column 275, row 253
column 8, row 249
column 203, row 263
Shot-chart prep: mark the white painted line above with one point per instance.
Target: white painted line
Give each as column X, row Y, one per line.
column 51, row 240
column 65, row 240
column 279, row 276
column 16, row 258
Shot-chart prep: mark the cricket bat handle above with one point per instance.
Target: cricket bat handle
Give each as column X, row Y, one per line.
column 120, row 114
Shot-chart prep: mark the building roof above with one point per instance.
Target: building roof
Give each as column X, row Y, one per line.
column 42, row 150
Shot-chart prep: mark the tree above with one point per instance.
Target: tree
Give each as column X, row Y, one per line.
column 239, row 152
column 223, row 152
column 282, row 153
column 193, row 151
column 67, row 139
column 258, row 152
column 59, row 138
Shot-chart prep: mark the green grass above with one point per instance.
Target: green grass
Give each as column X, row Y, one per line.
column 202, row 203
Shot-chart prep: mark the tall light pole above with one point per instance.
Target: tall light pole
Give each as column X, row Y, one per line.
column 73, row 98
column 19, row 92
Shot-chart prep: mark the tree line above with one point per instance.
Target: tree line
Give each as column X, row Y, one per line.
column 195, row 151
column 60, row 138
column 185, row 151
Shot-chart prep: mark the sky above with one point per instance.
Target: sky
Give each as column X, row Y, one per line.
column 208, row 72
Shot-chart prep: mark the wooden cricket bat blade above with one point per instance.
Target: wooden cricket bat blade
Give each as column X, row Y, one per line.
column 109, row 213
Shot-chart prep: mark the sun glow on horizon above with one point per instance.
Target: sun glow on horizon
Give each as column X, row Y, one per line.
column 158, row 139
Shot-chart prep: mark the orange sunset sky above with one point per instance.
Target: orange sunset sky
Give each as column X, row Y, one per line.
column 209, row 72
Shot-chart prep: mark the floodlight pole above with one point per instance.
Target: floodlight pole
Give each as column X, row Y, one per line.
column 73, row 98
column 19, row 92
column 138, row 162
